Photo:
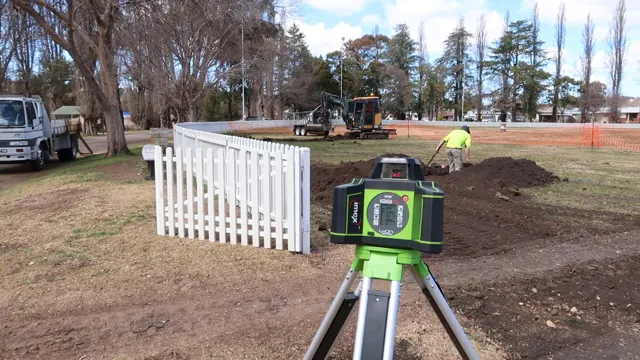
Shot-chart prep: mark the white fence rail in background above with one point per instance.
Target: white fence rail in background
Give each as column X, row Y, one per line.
column 233, row 190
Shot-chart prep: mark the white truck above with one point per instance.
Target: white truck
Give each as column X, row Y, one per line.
column 27, row 135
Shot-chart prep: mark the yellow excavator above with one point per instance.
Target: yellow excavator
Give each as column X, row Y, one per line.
column 361, row 116
column 364, row 119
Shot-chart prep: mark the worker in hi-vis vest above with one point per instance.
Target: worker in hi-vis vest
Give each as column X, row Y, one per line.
column 456, row 141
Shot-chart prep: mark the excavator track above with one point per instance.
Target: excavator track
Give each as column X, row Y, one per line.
column 366, row 135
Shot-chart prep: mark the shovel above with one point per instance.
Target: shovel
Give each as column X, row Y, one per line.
column 434, row 155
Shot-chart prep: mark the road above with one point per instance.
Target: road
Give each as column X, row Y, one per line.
column 14, row 174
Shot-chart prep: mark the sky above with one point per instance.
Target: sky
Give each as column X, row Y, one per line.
column 326, row 22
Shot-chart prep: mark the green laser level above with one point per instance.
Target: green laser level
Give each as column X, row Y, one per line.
column 395, row 208
column 392, row 217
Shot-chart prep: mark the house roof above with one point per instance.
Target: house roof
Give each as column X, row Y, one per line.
column 67, row 110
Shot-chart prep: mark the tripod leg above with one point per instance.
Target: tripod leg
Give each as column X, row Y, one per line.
column 327, row 344
column 446, row 316
column 392, row 319
column 331, row 314
column 362, row 314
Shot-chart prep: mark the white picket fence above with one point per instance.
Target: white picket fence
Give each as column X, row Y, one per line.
column 234, row 190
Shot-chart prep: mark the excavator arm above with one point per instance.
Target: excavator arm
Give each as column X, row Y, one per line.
column 328, row 102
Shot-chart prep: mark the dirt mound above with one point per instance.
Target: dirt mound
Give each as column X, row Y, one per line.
column 483, row 179
column 506, row 172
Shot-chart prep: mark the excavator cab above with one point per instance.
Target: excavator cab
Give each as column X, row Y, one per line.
column 365, row 119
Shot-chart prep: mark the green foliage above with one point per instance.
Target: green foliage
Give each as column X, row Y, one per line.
column 517, row 59
column 401, row 58
column 456, row 59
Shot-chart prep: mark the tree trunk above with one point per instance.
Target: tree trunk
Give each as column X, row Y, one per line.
column 116, row 141
column 193, row 113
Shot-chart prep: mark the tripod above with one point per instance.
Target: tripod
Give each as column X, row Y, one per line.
column 378, row 311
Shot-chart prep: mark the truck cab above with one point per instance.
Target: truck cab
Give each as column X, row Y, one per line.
column 27, row 135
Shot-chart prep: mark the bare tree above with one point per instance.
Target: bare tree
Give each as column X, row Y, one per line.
column 560, row 38
column 191, row 55
column 25, row 38
column 481, row 51
column 7, row 45
column 103, row 16
column 616, row 50
column 586, row 59
column 422, row 62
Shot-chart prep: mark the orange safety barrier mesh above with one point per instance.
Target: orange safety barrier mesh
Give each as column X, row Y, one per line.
column 598, row 136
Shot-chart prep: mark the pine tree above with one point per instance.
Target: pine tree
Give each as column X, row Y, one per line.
column 456, row 59
column 401, row 58
column 512, row 58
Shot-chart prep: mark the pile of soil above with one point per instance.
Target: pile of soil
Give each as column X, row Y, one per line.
column 483, row 179
column 504, row 171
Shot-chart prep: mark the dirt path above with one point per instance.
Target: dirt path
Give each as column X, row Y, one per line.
column 534, row 258
column 14, row 174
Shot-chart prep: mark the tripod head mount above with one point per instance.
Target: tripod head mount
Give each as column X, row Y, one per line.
column 394, row 208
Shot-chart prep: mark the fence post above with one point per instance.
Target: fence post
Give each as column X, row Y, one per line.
column 180, row 190
column 211, row 190
column 200, row 193
column 305, row 224
column 160, row 213
column 170, row 196
column 189, row 179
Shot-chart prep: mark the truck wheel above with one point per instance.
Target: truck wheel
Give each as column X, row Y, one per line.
column 69, row 154
column 38, row 163
column 303, row 132
column 297, row 131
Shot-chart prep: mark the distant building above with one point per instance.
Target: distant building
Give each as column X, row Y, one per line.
column 628, row 115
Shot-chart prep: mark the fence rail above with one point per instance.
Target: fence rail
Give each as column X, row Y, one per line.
column 233, row 190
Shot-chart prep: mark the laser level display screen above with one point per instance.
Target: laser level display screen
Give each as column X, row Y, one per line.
column 388, row 215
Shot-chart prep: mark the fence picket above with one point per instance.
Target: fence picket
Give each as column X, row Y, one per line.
column 297, row 232
column 305, row 214
column 190, row 219
column 266, row 172
column 221, row 197
column 290, row 215
column 233, row 208
column 278, row 194
column 170, row 195
column 211, row 192
column 242, row 181
column 160, row 214
column 180, row 192
column 200, row 193
column 255, row 200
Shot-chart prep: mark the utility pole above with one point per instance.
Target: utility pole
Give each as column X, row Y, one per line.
column 341, row 56
column 242, row 65
column 462, row 111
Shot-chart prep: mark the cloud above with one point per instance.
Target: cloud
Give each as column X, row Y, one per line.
column 370, row 21
column 576, row 11
column 323, row 40
column 342, row 7
column 440, row 19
